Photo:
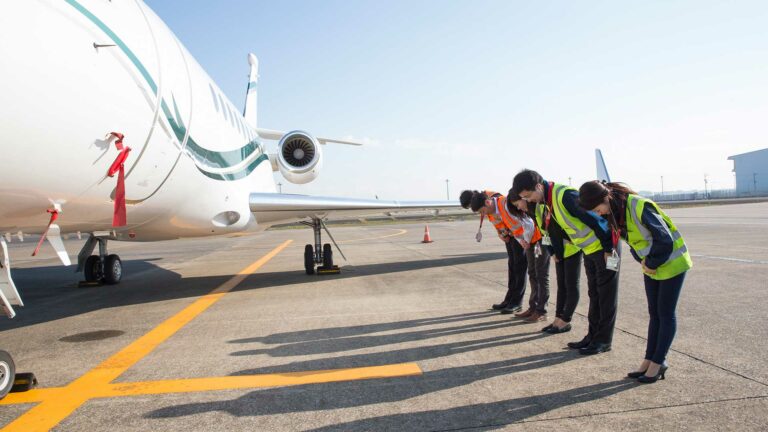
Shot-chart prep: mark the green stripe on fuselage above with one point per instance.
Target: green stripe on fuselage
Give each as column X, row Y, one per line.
column 201, row 155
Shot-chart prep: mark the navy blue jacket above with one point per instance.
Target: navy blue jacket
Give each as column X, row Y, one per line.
column 589, row 218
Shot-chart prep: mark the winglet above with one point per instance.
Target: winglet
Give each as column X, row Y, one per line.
column 602, row 170
column 250, row 110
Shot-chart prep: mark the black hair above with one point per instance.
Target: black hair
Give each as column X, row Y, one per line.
column 466, row 197
column 525, row 180
column 592, row 193
column 513, row 208
column 477, row 201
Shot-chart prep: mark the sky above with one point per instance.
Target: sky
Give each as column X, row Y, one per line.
column 474, row 91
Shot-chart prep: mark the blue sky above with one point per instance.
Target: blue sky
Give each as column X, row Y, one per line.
column 473, row 91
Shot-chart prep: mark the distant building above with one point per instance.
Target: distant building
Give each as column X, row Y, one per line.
column 751, row 172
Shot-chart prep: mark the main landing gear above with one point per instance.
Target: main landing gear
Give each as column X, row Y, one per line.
column 104, row 268
column 321, row 254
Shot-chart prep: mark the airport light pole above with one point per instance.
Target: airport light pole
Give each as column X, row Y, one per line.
column 279, row 187
column 447, row 194
column 662, row 185
column 569, row 181
column 754, row 181
column 706, row 194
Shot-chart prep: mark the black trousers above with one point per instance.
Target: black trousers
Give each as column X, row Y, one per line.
column 518, row 269
column 662, row 300
column 568, row 272
column 603, row 297
column 538, row 274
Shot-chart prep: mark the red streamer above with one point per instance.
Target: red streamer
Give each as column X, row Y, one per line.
column 54, row 215
column 119, row 219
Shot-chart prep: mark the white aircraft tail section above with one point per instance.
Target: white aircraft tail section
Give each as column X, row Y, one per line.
column 602, row 170
column 250, row 110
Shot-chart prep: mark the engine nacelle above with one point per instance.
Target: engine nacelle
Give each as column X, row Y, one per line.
column 299, row 157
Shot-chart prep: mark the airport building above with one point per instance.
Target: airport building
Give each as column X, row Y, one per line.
column 751, row 172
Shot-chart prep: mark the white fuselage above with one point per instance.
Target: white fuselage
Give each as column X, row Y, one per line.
column 194, row 160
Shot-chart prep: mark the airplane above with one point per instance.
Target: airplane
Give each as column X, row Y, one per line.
column 111, row 129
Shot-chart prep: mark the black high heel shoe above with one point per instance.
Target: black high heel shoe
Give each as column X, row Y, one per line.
column 636, row 375
column 644, row 379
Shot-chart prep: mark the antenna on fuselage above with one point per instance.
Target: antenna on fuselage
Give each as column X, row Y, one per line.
column 250, row 110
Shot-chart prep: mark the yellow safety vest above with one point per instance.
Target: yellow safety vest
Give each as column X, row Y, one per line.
column 640, row 239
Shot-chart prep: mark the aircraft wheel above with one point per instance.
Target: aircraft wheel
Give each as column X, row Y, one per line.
column 113, row 270
column 309, row 259
column 7, row 373
column 92, row 269
column 327, row 256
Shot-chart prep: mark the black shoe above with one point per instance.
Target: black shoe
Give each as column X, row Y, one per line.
column 636, row 375
column 595, row 348
column 499, row 306
column 564, row 329
column 644, row 379
column 580, row 344
column 546, row 329
column 510, row 309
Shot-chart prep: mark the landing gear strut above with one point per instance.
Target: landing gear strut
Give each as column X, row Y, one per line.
column 321, row 253
column 103, row 268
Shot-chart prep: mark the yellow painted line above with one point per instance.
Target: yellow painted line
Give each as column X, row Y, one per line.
column 53, row 410
column 31, row 396
column 261, row 381
column 400, row 232
column 223, row 383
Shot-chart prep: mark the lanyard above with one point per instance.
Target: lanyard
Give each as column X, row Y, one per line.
column 549, row 206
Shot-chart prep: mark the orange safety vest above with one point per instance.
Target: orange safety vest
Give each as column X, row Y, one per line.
column 510, row 222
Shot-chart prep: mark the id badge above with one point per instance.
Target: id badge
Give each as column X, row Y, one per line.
column 479, row 236
column 612, row 263
column 546, row 241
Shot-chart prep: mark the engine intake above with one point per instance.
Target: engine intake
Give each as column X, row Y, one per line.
column 299, row 157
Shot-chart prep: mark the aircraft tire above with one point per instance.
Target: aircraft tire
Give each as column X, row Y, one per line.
column 113, row 270
column 7, row 373
column 309, row 259
column 92, row 269
column 327, row 256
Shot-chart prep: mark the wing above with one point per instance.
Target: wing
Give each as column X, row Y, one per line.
column 277, row 135
column 269, row 207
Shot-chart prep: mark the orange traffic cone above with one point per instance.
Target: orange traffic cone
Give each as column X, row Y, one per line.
column 427, row 238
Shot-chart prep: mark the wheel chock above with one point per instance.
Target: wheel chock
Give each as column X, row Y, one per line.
column 322, row 270
column 24, row 382
column 86, row 284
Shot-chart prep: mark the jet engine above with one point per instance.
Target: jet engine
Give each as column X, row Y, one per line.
column 299, row 157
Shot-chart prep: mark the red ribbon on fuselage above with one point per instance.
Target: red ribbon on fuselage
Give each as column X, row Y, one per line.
column 119, row 219
column 54, row 215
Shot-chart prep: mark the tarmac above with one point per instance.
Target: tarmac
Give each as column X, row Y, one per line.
column 229, row 334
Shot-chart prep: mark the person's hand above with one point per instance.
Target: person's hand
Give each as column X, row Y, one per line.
column 646, row 270
column 608, row 255
column 557, row 260
column 524, row 244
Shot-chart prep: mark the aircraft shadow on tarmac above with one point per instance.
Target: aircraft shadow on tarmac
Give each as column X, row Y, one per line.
column 289, row 278
column 332, row 396
column 51, row 293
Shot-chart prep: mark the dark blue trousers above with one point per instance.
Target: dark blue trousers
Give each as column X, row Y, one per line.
column 662, row 301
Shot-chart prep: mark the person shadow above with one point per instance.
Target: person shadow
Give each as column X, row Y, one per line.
column 485, row 416
column 355, row 394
